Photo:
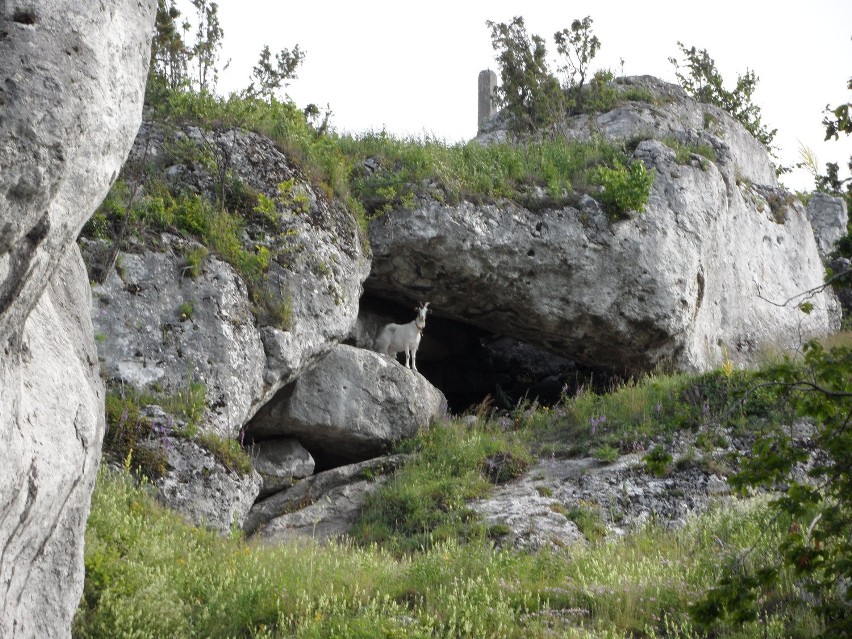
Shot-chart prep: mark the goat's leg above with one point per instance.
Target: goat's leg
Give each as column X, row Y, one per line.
column 407, row 357
column 414, row 358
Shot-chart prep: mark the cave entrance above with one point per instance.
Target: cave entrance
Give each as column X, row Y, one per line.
column 469, row 364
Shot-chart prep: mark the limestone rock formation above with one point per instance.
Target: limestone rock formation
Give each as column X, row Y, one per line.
column 353, row 405
column 202, row 489
column 350, row 482
column 316, row 271
column 621, row 495
column 73, row 77
column 829, row 219
column 156, row 325
column 713, row 268
column 280, row 463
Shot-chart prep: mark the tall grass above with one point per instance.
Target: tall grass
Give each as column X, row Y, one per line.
column 151, row 575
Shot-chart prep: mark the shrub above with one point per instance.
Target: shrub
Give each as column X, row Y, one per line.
column 625, row 188
column 657, row 461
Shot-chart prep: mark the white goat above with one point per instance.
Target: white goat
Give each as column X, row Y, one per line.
column 394, row 338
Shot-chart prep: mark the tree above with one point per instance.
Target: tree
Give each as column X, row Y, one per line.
column 169, row 53
column 267, row 78
column 837, row 121
column 578, row 46
column 529, row 94
column 208, row 44
column 703, row 81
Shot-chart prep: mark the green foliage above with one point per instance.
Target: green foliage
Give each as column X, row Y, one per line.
column 185, row 311
column 533, row 102
column 685, row 152
column 127, row 430
column 169, row 53
column 474, row 172
column 588, row 519
column 424, row 503
column 818, row 545
column 703, row 81
column 578, row 47
column 529, row 94
column 194, row 260
column 625, row 188
column 150, row 575
column 228, row 452
column 268, row 78
column 657, row 461
column 208, row 44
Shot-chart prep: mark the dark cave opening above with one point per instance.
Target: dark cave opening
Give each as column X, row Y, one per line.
column 470, row 365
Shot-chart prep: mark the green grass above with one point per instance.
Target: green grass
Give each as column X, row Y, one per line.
column 425, row 502
column 632, row 416
column 137, row 440
column 151, row 575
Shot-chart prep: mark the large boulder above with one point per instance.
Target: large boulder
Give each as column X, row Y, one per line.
column 713, row 268
column 829, row 219
column 73, row 77
column 280, row 463
column 353, row 405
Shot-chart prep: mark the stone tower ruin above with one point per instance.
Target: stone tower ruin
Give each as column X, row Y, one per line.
column 487, row 84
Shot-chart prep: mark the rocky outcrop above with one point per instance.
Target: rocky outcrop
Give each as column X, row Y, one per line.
column 203, row 489
column 160, row 325
column 667, row 112
column 713, row 268
column 351, row 483
column 157, row 326
column 829, row 219
column 353, row 405
column 280, row 463
column 73, row 78
column 537, row 509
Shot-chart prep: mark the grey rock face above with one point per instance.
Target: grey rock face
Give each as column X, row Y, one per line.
column 157, row 325
column 311, row 490
column 701, row 275
column 622, row 495
column 331, row 517
column 73, row 77
column 829, row 219
column 319, row 265
column 280, row 462
column 204, row 491
column 353, row 405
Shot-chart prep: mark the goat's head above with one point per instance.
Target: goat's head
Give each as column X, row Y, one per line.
column 422, row 309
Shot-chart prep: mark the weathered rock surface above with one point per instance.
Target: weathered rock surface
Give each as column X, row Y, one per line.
column 73, row 77
column 702, row 274
column 312, row 489
column 829, row 219
column 157, row 325
column 280, row 462
column 202, row 489
column 318, row 263
column 353, row 405
column 622, row 495
column 329, row 518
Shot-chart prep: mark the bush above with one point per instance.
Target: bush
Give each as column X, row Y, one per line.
column 625, row 188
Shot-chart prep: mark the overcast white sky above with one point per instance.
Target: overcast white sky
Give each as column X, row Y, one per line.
column 411, row 67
